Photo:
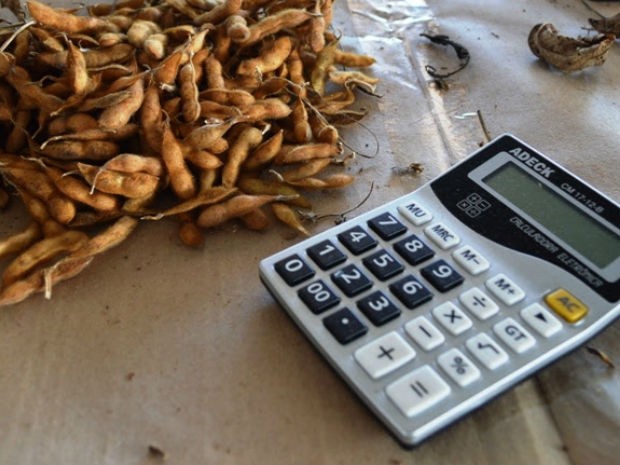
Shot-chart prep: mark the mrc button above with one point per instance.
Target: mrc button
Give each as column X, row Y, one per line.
column 566, row 305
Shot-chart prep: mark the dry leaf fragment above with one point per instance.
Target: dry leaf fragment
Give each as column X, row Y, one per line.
column 607, row 25
column 568, row 54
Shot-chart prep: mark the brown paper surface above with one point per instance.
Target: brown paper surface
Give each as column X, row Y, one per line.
column 158, row 345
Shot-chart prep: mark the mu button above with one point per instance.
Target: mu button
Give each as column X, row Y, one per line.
column 566, row 305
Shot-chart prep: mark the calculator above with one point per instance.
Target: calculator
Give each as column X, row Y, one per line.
column 436, row 302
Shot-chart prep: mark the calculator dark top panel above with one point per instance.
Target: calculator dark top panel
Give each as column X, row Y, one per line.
column 490, row 217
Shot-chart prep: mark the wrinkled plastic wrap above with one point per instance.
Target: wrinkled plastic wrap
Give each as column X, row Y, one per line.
column 158, row 345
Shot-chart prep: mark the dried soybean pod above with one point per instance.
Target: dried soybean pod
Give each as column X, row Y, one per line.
column 256, row 220
column 318, row 24
column 104, row 101
column 155, row 45
column 188, row 91
column 327, row 10
column 36, row 207
column 19, row 241
column 118, row 116
column 248, row 138
column 100, row 57
column 76, row 190
column 322, row 130
column 39, row 280
column 58, row 20
column 296, row 73
column 76, row 71
column 300, row 153
column 108, row 39
column 209, row 196
column 235, row 207
column 237, row 28
column 213, row 110
column 258, row 186
column 271, row 24
column 353, row 77
column 32, row 96
column 330, row 182
column 205, row 136
column 270, row 59
column 46, row 39
column 270, row 87
column 203, row 159
column 96, row 134
column 223, row 43
column 265, row 109
column 38, row 184
column 352, row 59
column 105, row 240
column 307, row 169
column 140, row 30
column 324, row 60
column 166, row 73
column 213, row 70
column 18, row 137
column 236, row 97
column 7, row 61
column 81, row 150
column 183, row 7
column 181, row 179
column 131, row 185
column 289, row 217
column 302, row 132
column 265, row 152
column 41, row 252
column 134, row 163
column 151, row 118
column 219, row 13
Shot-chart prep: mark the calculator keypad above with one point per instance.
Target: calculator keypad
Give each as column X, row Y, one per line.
column 401, row 266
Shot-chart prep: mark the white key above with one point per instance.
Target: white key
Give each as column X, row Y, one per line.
column 424, row 333
column 452, row 318
column 442, row 236
column 514, row 335
column 487, row 351
column 471, row 260
column 458, row 367
column 478, row 303
column 505, row 289
column 384, row 355
column 418, row 391
column 541, row 319
column 415, row 213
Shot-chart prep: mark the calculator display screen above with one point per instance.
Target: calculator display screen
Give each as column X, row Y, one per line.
column 562, row 218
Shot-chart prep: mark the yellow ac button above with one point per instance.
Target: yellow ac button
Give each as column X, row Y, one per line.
column 566, row 305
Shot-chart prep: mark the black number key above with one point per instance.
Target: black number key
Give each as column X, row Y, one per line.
column 387, row 226
column 326, row 254
column 378, row 308
column 411, row 292
column 344, row 326
column 318, row 297
column 442, row 276
column 351, row 280
column 293, row 270
column 357, row 240
column 413, row 250
column 383, row 265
